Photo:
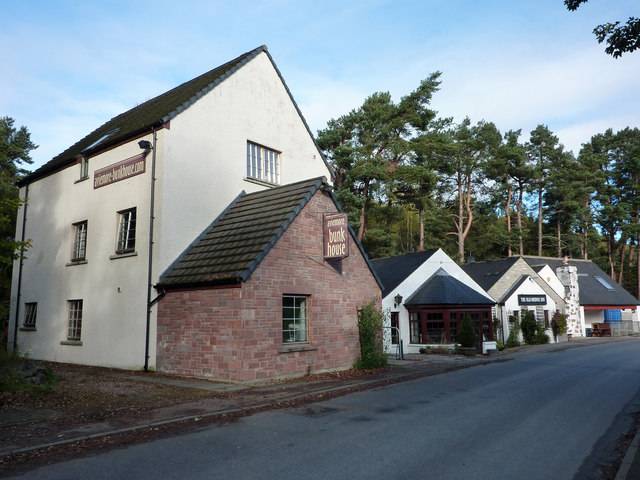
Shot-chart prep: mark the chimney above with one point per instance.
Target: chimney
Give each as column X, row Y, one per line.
column 568, row 276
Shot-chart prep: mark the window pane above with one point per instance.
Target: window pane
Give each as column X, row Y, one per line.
column 294, row 319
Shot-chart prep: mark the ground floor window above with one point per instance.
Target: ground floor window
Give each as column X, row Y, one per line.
column 395, row 326
column 294, row 318
column 442, row 326
column 30, row 314
column 414, row 328
column 75, row 320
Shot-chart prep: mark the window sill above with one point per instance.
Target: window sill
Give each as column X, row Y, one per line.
column 123, row 255
column 76, row 262
column 297, row 347
column 28, row 329
column 73, row 343
column 260, row 182
column 82, row 179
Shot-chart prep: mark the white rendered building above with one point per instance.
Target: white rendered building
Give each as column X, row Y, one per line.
column 106, row 217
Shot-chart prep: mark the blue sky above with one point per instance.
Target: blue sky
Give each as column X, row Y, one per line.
column 71, row 65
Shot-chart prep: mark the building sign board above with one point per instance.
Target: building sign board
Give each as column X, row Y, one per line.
column 335, row 233
column 127, row 168
column 532, row 299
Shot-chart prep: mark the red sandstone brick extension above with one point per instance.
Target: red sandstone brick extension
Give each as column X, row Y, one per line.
column 236, row 333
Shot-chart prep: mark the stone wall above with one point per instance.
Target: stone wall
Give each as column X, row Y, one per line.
column 236, row 333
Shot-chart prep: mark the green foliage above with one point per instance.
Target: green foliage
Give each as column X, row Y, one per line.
column 558, row 324
column 500, row 345
column 514, row 333
column 541, row 336
column 13, row 380
column 620, row 38
column 467, row 335
column 370, row 323
column 528, row 325
column 15, row 146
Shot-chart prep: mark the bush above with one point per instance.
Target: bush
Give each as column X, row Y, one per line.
column 20, row 374
column 499, row 345
column 467, row 336
column 558, row 325
column 541, row 336
column 529, row 327
column 370, row 323
column 514, row 333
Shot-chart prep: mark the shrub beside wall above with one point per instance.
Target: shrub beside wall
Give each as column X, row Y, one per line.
column 370, row 325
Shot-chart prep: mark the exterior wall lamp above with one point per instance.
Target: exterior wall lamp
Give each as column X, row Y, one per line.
column 145, row 145
column 397, row 300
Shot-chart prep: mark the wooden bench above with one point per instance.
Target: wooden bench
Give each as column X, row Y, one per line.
column 601, row 330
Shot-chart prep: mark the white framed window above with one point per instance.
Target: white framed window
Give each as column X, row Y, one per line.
column 30, row 314
column 294, row 318
column 126, row 231
column 84, row 168
column 263, row 163
column 79, row 252
column 75, row 320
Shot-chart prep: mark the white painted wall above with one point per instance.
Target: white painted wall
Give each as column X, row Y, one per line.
column 201, row 163
column 206, row 151
column 549, row 276
column 528, row 287
column 406, row 288
column 113, row 291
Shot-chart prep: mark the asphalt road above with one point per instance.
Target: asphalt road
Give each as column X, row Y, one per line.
column 541, row 416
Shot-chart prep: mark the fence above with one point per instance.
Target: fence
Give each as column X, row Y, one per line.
column 624, row 328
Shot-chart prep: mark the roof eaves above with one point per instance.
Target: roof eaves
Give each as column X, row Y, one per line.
column 304, row 121
column 246, row 274
column 210, row 86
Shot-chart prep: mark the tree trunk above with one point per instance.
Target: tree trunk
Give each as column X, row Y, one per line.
column 585, row 234
column 507, row 212
column 559, row 235
column 612, row 268
column 540, row 222
column 421, row 220
column 623, row 255
column 469, row 209
column 460, row 223
column 362, row 229
column 519, row 219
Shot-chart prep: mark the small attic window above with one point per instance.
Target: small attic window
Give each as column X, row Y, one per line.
column 605, row 283
column 101, row 139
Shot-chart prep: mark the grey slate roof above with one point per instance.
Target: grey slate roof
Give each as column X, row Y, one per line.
column 230, row 249
column 393, row 270
column 153, row 113
column 487, row 273
column 443, row 289
column 592, row 292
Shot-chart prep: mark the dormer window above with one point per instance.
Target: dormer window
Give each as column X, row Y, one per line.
column 263, row 163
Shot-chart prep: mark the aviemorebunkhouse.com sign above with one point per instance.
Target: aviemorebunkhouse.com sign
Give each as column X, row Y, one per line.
column 119, row 171
column 335, row 235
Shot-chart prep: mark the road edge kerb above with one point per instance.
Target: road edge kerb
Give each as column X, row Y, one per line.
column 630, row 455
column 276, row 404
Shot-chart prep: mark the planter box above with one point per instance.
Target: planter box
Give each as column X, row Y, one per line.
column 467, row 351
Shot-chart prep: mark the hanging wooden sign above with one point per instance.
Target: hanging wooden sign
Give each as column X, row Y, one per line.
column 335, row 231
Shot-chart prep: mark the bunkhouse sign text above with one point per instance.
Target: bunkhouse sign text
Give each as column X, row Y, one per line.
column 335, row 235
column 119, row 171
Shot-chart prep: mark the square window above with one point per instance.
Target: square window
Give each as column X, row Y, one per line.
column 294, row 318
column 263, row 163
column 126, row 231
column 79, row 241
column 30, row 314
column 75, row 320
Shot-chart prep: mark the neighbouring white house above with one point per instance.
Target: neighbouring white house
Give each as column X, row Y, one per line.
column 517, row 288
column 598, row 298
column 425, row 297
column 108, row 215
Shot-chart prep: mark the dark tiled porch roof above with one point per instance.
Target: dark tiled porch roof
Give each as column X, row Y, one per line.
column 443, row 289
